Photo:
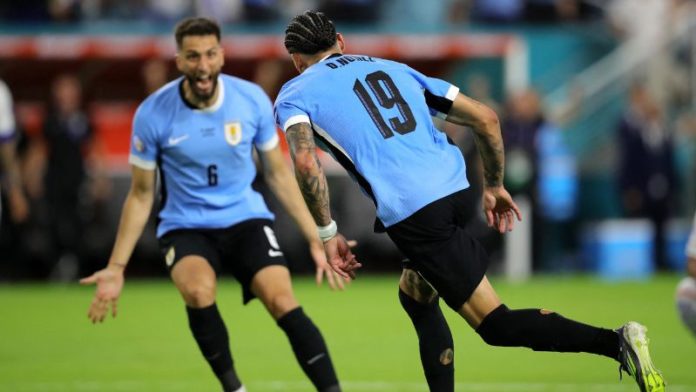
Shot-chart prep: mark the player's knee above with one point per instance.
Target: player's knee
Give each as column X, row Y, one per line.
column 199, row 295
column 495, row 330
column 416, row 288
column 415, row 308
column 280, row 304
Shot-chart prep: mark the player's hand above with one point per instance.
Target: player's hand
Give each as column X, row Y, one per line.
column 19, row 206
column 500, row 209
column 109, row 283
column 340, row 257
column 335, row 281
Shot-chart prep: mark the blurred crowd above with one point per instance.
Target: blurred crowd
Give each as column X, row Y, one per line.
column 69, row 225
column 358, row 11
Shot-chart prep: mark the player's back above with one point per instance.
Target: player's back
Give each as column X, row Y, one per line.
column 375, row 116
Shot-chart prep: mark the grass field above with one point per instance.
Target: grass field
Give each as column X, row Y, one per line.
column 47, row 343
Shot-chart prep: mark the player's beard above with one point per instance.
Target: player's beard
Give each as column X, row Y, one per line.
column 199, row 94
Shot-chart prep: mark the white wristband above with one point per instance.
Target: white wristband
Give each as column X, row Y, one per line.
column 328, row 232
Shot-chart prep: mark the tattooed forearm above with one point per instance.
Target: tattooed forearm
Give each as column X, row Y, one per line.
column 309, row 173
column 493, row 157
column 486, row 126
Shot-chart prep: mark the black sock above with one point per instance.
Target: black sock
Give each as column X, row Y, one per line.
column 546, row 331
column 310, row 350
column 211, row 335
column 434, row 342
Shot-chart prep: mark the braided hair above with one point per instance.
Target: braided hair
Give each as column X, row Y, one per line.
column 310, row 33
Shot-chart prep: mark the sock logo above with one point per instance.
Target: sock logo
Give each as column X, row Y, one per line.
column 447, row 356
column 315, row 358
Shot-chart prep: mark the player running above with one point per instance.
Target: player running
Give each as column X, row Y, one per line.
column 374, row 117
column 200, row 131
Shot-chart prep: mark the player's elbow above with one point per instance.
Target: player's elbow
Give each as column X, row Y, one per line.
column 488, row 119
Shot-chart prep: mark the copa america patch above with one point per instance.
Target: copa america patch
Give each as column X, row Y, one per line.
column 138, row 144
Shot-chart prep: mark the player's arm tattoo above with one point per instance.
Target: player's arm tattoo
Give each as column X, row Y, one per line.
column 418, row 288
column 493, row 156
column 487, row 135
column 309, row 173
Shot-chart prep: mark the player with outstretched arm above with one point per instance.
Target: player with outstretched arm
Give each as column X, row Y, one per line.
column 200, row 131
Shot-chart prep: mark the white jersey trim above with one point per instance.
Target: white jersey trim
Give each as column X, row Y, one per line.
column 141, row 163
column 270, row 144
column 296, row 119
column 7, row 120
column 452, row 93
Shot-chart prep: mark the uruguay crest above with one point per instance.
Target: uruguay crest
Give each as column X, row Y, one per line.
column 233, row 133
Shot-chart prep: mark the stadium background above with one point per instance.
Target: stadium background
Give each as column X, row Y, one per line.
column 571, row 63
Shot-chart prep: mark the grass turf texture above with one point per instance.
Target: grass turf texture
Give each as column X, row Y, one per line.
column 47, row 343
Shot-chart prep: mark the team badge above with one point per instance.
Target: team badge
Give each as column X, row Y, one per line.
column 169, row 258
column 233, row 133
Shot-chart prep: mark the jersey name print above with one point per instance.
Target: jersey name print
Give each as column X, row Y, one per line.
column 379, row 128
column 205, row 156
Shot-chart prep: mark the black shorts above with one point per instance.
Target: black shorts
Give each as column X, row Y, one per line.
column 434, row 240
column 244, row 249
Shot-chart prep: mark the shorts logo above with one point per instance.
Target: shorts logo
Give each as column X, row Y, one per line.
column 275, row 251
column 233, row 133
column 169, row 258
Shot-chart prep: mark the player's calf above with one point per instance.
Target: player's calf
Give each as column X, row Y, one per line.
column 434, row 337
column 543, row 330
column 310, row 350
column 211, row 335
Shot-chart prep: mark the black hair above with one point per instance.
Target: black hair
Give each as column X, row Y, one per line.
column 195, row 26
column 309, row 33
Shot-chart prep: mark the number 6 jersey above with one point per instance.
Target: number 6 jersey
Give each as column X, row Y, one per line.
column 375, row 117
column 204, row 156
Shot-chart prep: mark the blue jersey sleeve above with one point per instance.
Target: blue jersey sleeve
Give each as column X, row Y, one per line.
column 439, row 94
column 266, row 137
column 288, row 110
column 144, row 146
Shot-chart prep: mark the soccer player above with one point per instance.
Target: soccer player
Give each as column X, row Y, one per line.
column 9, row 168
column 200, row 131
column 374, row 117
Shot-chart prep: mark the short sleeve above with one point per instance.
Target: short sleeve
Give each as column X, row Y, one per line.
column 439, row 94
column 288, row 110
column 266, row 137
column 691, row 245
column 7, row 120
column 144, row 146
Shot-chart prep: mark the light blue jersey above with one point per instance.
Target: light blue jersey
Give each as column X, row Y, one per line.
column 375, row 117
column 205, row 156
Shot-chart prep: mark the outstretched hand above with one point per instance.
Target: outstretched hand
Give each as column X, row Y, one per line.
column 340, row 257
column 334, row 280
column 500, row 210
column 109, row 283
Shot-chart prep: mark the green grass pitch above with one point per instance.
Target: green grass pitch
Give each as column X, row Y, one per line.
column 47, row 343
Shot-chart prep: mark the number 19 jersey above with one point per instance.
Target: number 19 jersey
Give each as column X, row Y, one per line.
column 205, row 155
column 375, row 117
